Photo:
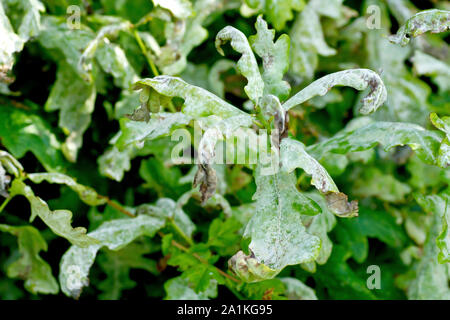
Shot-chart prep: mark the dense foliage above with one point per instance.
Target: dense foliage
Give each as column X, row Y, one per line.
column 349, row 196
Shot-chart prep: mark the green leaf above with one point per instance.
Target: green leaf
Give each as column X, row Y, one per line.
column 86, row 194
column 432, row 20
column 359, row 79
column 389, row 134
column 247, row 64
column 278, row 12
column 30, row 266
column 114, row 235
column 109, row 56
column 59, row 221
column 23, row 131
column 278, row 237
column 117, row 266
column 75, row 99
column 275, row 57
column 375, row 183
column 224, row 235
column 340, row 279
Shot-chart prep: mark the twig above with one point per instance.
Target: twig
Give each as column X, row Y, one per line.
column 116, row 206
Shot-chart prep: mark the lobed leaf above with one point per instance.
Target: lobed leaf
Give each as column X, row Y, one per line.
column 432, row 20
column 359, row 79
column 247, row 64
column 278, row 237
column 30, row 266
column 115, row 235
column 59, row 221
column 275, row 57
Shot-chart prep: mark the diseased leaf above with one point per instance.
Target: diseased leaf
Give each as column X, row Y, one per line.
column 430, row 280
column 308, row 42
column 278, row 237
column 432, row 20
column 294, row 155
column 297, row 290
column 30, row 266
column 75, row 99
column 320, row 225
column 114, row 235
column 179, row 288
column 275, row 57
column 389, row 134
column 247, row 64
column 439, row 205
column 197, row 101
column 59, row 221
column 159, row 125
column 179, row 8
column 8, row 164
column 359, row 79
column 443, row 124
column 86, row 194
column 249, row 269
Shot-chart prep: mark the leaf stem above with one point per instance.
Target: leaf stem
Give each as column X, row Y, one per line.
column 180, row 232
column 4, row 204
column 145, row 52
column 151, row 64
column 116, row 206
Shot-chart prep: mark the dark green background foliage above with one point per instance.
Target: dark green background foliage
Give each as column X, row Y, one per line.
column 77, row 152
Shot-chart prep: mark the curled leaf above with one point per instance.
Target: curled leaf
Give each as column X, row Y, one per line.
column 207, row 179
column 275, row 57
column 432, row 20
column 389, row 134
column 247, row 64
column 198, row 102
column 249, row 269
column 338, row 204
column 359, row 79
column 294, row 155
